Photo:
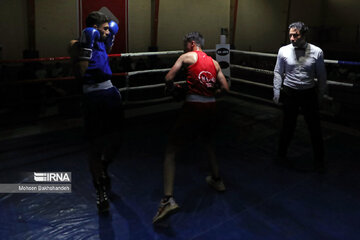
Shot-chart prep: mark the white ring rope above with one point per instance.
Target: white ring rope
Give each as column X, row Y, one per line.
column 268, row 72
column 139, row 54
column 155, row 100
column 147, row 86
column 275, row 55
column 148, row 71
column 339, row 83
column 254, row 53
column 250, row 82
column 330, row 82
column 331, row 61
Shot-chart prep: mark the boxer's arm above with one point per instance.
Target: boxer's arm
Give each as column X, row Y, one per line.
column 81, row 51
column 184, row 60
column 82, row 66
column 169, row 78
column 174, row 69
column 109, row 42
column 224, row 86
column 79, row 65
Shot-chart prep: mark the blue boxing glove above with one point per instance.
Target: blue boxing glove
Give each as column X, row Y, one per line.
column 87, row 40
column 113, row 28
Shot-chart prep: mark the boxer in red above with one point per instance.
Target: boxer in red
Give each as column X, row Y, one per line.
column 198, row 115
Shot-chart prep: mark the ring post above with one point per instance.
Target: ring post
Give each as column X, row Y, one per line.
column 223, row 56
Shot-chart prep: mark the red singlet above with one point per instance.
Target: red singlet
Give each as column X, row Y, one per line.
column 202, row 76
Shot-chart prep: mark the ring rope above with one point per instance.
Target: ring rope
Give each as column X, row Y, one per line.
column 50, row 59
column 254, row 53
column 147, row 86
column 148, row 71
column 138, row 54
column 330, row 82
column 268, row 72
column 155, row 100
column 250, row 82
column 37, row 80
column 275, row 55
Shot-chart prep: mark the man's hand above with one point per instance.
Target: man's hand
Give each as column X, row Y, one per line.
column 323, row 99
column 327, row 97
column 276, row 100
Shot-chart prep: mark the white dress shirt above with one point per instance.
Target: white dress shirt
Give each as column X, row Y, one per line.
column 297, row 68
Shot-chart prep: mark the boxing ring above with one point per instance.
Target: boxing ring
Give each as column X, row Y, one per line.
column 262, row 201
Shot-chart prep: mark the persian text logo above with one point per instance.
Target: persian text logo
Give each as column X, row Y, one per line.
column 52, row 177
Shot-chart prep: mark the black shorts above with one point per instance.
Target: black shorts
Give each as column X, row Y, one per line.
column 196, row 120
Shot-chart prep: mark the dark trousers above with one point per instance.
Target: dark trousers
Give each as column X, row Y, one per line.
column 307, row 101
